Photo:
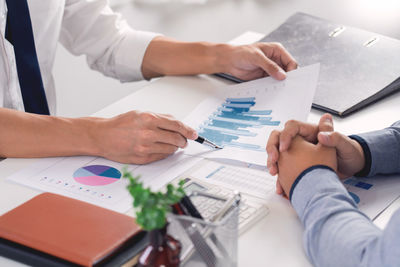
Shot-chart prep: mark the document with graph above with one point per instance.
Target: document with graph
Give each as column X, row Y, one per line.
column 374, row 194
column 241, row 118
column 97, row 180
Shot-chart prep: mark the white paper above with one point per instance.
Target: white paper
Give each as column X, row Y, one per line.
column 59, row 176
column 285, row 100
column 373, row 195
column 255, row 183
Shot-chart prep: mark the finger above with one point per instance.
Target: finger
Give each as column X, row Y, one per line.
column 270, row 66
column 335, row 139
column 137, row 159
column 279, row 189
column 283, row 57
column 325, row 123
column 170, row 138
column 161, row 148
column 153, row 157
column 294, row 128
column 272, row 151
column 177, row 126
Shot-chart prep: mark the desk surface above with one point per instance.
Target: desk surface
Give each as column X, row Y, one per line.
column 277, row 238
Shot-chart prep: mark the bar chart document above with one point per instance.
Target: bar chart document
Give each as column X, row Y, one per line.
column 242, row 116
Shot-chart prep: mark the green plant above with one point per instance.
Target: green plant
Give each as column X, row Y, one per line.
column 151, row 208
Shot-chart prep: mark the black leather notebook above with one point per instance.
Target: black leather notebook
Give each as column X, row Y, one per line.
column 357, row 67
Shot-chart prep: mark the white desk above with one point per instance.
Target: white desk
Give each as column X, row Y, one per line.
column 275, row 240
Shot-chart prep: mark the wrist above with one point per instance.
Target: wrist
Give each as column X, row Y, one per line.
column 220, row 55
column 90, row 136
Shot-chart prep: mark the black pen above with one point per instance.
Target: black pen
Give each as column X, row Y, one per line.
column 204, row 141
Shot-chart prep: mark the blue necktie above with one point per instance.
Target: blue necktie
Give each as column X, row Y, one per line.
column 20, row 34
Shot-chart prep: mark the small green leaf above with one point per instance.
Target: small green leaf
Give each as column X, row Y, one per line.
column 151, row 207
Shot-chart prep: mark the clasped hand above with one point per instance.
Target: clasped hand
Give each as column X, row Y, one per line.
column 302, row 145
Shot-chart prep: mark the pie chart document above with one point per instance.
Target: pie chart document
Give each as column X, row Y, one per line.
column 97, row 180
column 97, row 175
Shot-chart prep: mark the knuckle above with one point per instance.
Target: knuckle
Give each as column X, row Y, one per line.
column 142, row 150
column 290, row 123
column 179, row 126
column 275, row 132
column 277, row 45
column 147, row 117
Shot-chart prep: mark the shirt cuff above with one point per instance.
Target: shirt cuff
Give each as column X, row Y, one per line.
column 316, row 182
column 367, row 155
column 129, row 59
column 383, row 146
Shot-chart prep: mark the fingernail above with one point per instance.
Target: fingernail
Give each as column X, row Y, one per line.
column 195, row 135
column 325, row 135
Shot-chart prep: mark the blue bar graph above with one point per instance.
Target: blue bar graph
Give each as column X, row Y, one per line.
column 235, row 119
column 359, row 184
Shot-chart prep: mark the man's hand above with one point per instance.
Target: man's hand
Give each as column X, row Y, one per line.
column 248, row 62
column 141, row 137
column 300, row 156
column 165, row 56
column 350, row 156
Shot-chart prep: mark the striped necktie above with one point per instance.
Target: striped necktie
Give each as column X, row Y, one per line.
column 20, row 34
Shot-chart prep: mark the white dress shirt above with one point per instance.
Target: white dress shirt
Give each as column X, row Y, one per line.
column 86, row 27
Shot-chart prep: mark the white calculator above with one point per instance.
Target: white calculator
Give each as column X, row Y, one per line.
column 222, row 180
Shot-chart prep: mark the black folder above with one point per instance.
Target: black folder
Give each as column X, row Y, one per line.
column 357, row 67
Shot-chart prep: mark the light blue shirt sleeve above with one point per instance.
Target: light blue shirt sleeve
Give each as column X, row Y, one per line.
column 381, row 150
column 336, row 232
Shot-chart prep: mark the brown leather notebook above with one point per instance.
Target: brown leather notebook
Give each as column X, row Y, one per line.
column 69, row 229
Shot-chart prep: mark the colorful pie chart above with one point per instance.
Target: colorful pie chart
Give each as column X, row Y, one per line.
column 97, row 175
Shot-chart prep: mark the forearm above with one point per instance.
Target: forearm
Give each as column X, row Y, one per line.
column 30, row 135
column 166, row 56
column 381, row 150
column 336, row 232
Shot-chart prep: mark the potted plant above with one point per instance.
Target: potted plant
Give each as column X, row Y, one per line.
column 151, row 209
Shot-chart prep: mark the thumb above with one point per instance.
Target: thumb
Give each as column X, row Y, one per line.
column 334, row 139
column 325, row 123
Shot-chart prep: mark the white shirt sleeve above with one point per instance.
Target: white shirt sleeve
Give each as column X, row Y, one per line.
column 112, row 47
